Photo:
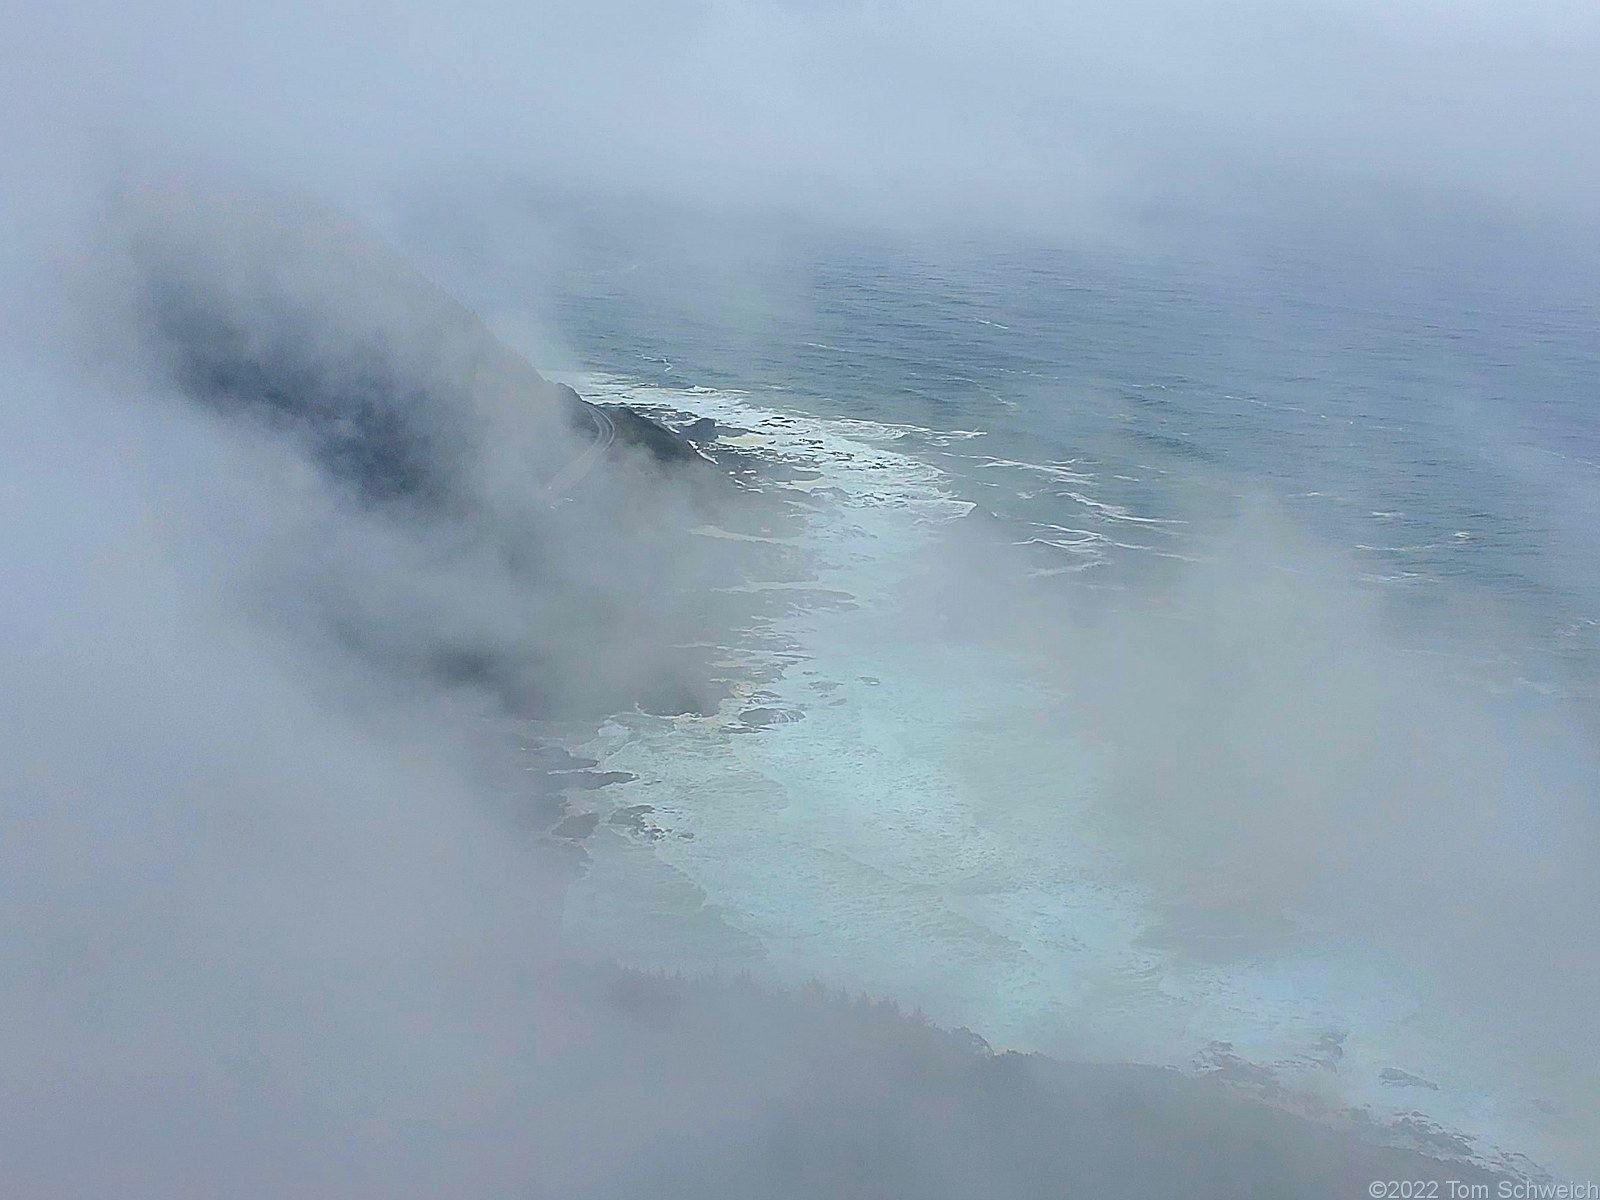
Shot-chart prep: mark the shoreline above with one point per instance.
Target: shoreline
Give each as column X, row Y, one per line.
column 1263, row 1078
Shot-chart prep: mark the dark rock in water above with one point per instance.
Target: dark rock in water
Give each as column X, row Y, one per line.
column 577, row 827
column 1330, row 1048
column 588, row 781
column 636, row 818
column 1397, row 1078
column 703, row 430
column 755, row 718
column 676, row 698
column 1219, row 1061
column 871, row 680
column 1431, row 1136
column 559, row 758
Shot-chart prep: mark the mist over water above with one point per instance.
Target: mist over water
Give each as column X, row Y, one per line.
column 1260, row 630
column 1082, row 526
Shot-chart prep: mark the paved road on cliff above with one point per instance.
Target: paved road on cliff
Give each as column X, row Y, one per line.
column 583, row 462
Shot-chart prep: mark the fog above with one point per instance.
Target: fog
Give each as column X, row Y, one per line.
column 292, row 544
column 1275, row 746
column 1068, row 118
column 279, row 921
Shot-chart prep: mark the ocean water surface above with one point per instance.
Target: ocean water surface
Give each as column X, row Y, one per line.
column 1192, row 658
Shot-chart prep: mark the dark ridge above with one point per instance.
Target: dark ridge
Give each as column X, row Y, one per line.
column 363, row 422
column 664, row 446
column 630, row 428
column 291, row 313
column 900, row 1107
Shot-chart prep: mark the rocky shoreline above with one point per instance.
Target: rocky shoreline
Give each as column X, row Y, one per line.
column 949, row 1110
column 1245, row 1109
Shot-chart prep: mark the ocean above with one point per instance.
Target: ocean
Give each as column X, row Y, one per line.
column 1194, row 660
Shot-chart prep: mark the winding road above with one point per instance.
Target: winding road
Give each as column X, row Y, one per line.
column 604, row 433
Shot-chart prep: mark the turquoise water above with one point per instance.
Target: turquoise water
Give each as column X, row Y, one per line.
column 1264, row 713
